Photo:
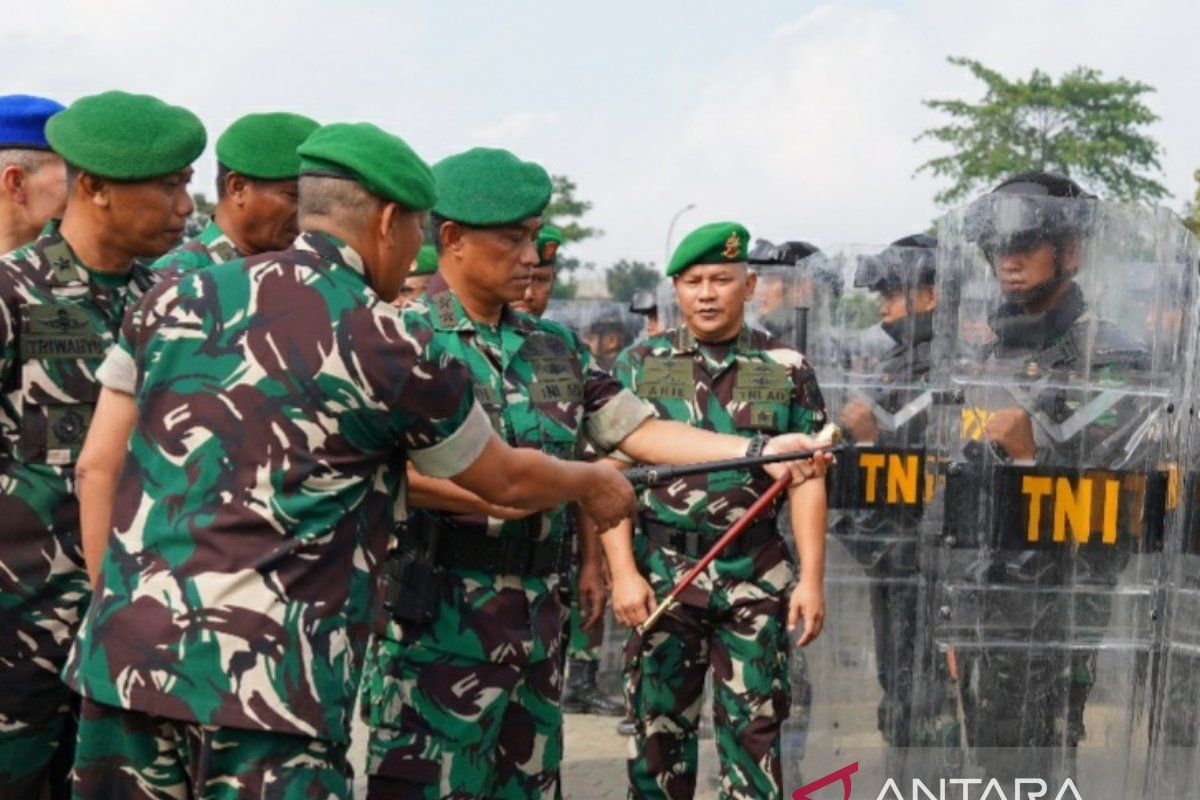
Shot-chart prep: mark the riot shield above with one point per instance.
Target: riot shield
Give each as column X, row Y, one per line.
column 1051, row 433
column 1175, row 753
column 605, row 326
column 863, row 317
column 645, row 305
column 669, row 315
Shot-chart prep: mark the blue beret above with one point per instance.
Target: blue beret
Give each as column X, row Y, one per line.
column 23, row 121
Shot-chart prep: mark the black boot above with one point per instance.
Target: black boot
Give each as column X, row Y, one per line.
column 581, row 695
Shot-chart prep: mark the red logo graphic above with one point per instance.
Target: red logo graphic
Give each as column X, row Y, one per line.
column 843, row 775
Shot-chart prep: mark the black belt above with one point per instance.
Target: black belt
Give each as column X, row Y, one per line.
column 459, row 549
column 693, row 544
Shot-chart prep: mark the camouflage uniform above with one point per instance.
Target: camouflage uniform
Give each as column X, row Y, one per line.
column 733, row 617
column 256, row 501
column 57, row 320
column 467, row 705
column 581, row 645
column 211, row 247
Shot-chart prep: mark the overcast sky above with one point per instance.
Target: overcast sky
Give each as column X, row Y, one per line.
column 795, row 118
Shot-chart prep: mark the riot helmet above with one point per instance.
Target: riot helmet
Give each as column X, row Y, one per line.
column 786, row 254
column 906, row 262
column 1025, row 212
column 643, row 302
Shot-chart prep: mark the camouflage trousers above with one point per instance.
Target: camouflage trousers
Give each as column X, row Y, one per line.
column 746, row 646
column 134, row 756
column 581, row 645
column 43, row 592
column 35, row 757
column 445, row 726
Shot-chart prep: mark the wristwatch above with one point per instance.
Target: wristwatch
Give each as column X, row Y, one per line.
column 758, row 443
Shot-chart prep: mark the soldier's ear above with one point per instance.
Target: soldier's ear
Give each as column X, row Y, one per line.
column 94, row 188
column 235, row 185
column 451, row 234
column 751, row 283
column 388, row 221
column 12, row 179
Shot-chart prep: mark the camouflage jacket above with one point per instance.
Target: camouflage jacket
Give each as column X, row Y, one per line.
column 57, row 321
column 540, row 389
column 752, row 385
column 278, row 398
column 211, row 247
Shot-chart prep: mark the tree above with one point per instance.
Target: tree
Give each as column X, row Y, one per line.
column 565, row 212
column 626, row 277
column 1191, row 211
column 1080, row 125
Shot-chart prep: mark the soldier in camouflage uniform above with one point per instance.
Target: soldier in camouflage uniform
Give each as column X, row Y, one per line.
column 257, row 167
column 542, row 276
column 716, row 373
column 272, row 402
column 33, row 179
column 419, row 276
column 61, row 301
column 585, row 628
column 463, row 690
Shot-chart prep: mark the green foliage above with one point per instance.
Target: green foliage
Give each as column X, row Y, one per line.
column 859, row 311
column 1191, row 211
column 626, row 277
column 565, row 212
column 1080, row 125
column 564, row 290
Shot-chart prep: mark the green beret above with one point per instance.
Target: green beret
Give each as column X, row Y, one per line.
column 126, row 137
column 381, row 162
column 549, row 238
column 485, row 187
column 427, row 261
column 263, row 146
column 714, row 243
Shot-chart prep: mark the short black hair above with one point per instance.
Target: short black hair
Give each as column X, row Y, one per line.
column 222, row 173
column 433, row 234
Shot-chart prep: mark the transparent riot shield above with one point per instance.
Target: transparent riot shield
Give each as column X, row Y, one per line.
column 1051, row 435
column 645, row 304
column 862, row 315
column 669, row 316
column 594, row 657
column 605, row 326
column 1175, row 753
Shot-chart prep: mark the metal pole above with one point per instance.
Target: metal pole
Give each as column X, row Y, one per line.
column 671, row 229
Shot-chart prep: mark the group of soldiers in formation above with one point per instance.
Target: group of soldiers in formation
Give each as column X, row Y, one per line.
column 339, row 455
